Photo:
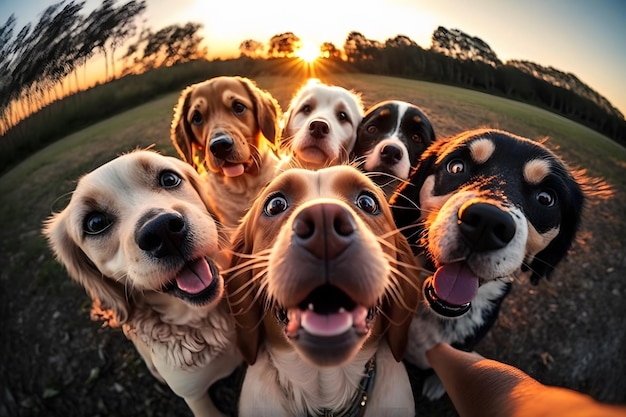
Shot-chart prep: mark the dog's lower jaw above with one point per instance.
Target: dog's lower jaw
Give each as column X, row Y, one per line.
column 429, row 328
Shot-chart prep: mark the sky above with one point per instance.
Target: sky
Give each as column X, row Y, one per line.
column 583, row 37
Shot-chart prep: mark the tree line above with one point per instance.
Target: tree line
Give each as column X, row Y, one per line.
column 41, row 63
column 459, row 59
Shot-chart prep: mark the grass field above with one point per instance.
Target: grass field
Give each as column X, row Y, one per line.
column 56, row 362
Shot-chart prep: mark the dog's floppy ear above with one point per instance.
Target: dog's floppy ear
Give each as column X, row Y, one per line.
column 399, row 312
column 107, row 295
column 241, row 293
column 268, row 111
column 544, row 262
column 180, row 131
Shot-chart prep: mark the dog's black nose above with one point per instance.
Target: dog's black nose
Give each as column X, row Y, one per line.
column 318, row 129
column 391, row 154
column 324, row 229
column 163, row 235
column 485, row 226
column 221, row 146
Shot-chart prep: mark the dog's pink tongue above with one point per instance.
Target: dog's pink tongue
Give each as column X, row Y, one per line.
column 233, row 170
column 195, row 277
column 455, row 283
column 326, row 324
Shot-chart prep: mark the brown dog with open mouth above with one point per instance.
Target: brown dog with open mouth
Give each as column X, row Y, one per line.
column 322, row 287
column 226, row 128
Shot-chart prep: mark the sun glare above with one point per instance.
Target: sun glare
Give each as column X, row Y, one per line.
column 308, row 53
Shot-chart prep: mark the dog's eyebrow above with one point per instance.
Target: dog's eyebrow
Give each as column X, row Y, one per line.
column 536, row 170
column 481, row 150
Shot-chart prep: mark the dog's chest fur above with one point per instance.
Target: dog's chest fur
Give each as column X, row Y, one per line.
column 204, row 336
column 230, row 198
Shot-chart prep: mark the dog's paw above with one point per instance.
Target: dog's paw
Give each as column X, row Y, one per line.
column 433, row 388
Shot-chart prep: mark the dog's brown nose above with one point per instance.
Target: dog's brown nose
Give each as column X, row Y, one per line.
column 163, row 235
column 485, row 226
column 318, row 128
column 324, row 229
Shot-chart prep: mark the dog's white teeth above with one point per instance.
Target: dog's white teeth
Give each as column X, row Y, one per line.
column 342, row 310
column 310, row 307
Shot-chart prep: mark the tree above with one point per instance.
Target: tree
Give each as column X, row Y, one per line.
column 251, row 48
column 125, row 25
column 329, row 50
column 458, row 45
column 171, row 45
column 284, row 45
column 357, row 47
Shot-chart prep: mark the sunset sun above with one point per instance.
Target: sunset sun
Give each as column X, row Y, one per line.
column 308, row 53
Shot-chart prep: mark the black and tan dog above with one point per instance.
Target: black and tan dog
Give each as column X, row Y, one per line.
column 482, row 208
column 390, row 139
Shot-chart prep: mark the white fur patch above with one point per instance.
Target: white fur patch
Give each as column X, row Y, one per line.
column 536, row 170
column 481, row 150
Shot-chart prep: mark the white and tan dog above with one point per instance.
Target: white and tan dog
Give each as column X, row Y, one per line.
column 138, row 237
column 322, row 287
column 320, row 125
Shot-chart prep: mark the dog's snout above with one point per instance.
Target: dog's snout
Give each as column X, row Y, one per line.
column 319, row 128
column 324, row 229
column 221, row 146
column 485, row 226
column 162, row 235
column 391, row 153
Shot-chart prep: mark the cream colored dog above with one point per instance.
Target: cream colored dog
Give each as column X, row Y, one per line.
column 138, row 237
column 320, row 125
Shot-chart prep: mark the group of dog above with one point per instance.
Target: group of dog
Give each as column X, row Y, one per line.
column 323, row 247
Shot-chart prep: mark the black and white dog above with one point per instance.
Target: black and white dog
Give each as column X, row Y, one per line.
column 481, row 209
column 390, row 139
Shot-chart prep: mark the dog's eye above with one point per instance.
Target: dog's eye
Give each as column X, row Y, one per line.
column 275, row 204
column 368, row 203
column 239, row 108
column 196, row 118
column 306, row 109
column 546, row 198
column 96, row 223
column 456, row 166
column 342, row 115
column 169, row 179
column 371, row 129
column 416, row 138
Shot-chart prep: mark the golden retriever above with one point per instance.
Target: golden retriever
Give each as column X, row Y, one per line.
column 320, row 125
column 137, row 236
column 322, row 288
column 226, row 128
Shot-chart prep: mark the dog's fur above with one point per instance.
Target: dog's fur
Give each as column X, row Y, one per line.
column 226, row 128
column 487, row 205
column 320, row 125
column 138, row 237
column 389, row 141
column 313, row 243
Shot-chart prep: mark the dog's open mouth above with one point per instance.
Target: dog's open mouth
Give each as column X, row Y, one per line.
column 450, row 290
column 197, row 283
column 326, row 312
